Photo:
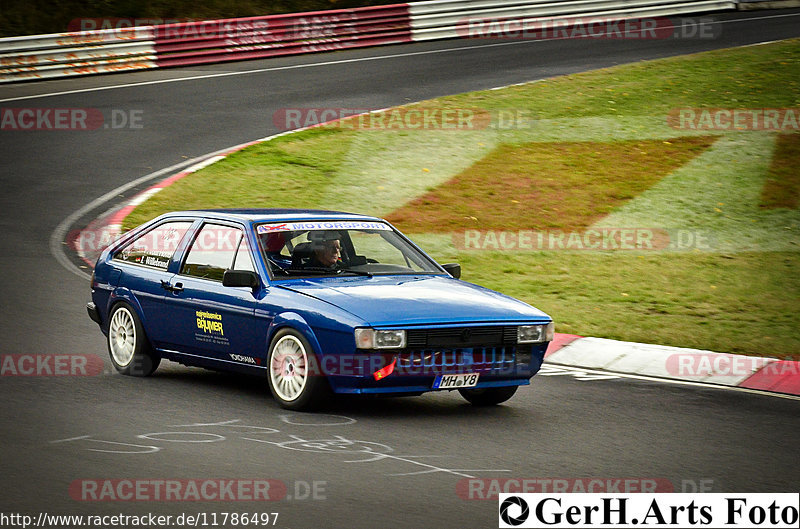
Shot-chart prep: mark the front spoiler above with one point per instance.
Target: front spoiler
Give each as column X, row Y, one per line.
column 94, row 314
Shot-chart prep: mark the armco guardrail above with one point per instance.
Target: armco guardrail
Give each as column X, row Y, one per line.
column 445, row 19
column 271, row 36
column 79, row 53
column 187, row 43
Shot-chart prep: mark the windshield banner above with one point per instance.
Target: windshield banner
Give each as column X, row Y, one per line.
column 322, row 225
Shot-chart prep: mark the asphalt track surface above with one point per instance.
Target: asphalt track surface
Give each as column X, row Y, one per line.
column 377, row 463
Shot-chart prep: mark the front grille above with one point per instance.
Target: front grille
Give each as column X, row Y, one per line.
column 496, row 360
column 460, row 337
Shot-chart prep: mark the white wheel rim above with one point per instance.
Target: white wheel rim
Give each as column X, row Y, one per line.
column 122, row 336
column 288, row 368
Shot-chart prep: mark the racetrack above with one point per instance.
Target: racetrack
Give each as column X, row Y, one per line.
column 411, row 453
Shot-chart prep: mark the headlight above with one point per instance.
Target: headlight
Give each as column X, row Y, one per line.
column 380, row 339
column 535, row 333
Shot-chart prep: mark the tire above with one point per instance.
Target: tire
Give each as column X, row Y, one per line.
column 128, row 346
column 488, row 396
column 294, row 379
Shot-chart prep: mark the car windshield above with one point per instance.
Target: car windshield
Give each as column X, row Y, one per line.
column 333, row 248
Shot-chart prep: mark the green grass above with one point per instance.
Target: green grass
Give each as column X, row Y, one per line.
column 741, row 303
column 748, row 77
column 737, row 292
column 289, row 171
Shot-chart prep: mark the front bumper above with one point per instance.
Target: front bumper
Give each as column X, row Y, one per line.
column 94, row 314
column 415, row 371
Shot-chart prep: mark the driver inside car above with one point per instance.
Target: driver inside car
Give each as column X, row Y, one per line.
column 326, row 249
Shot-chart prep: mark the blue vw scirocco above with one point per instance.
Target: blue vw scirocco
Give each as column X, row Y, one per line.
column 315, row 301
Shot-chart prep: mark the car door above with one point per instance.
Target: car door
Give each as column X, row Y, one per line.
column 208, row 319
column 145, row 265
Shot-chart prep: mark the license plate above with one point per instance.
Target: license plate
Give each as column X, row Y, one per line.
column 467, row 380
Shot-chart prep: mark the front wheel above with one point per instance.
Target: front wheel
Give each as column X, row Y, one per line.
column 128, row 346
column 488, row 396
column 294, row 380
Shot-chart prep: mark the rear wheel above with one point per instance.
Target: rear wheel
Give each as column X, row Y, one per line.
column 294, row 379
column 488, row 396
column 128, row 346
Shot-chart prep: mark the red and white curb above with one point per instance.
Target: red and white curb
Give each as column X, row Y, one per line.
column 675, row 363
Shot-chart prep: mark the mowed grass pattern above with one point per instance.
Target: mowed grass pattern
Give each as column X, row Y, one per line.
column 782, row 189
column 541, row 186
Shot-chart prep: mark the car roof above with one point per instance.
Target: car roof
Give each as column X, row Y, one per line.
column 272, row 214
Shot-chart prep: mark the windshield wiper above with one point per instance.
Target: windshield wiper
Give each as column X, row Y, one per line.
column 275, row 266
column 311, row 270
column 355, row 272
column 318, row 270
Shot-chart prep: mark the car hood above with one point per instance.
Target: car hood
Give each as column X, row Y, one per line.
column 389, row 300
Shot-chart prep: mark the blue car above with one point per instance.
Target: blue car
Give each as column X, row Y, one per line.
column 317, row 302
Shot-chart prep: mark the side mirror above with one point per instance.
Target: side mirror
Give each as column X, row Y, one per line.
column 240, row 278
column 454, row 269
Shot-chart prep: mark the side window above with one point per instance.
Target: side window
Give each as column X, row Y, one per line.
column 156, row 247
column 212, row 252
column 243, row 260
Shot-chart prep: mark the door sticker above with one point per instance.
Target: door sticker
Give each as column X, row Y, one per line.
column 209, row 325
